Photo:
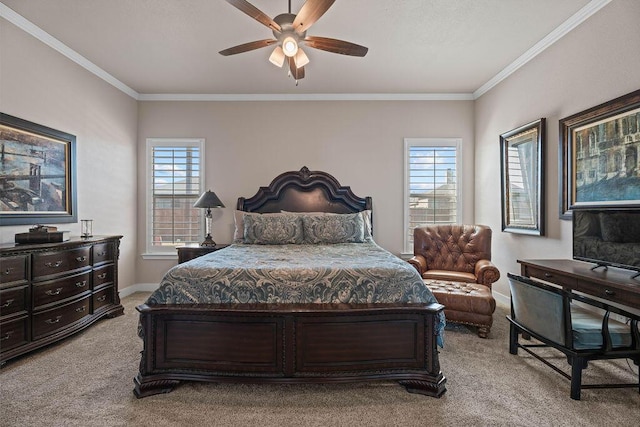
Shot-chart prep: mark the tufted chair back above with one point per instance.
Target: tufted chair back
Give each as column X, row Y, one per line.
column 454, row 252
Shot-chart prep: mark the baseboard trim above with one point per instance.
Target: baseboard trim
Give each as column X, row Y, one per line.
column 502, row 300
column 138, row 287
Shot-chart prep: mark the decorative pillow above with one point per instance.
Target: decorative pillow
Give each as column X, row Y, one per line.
column 366, row 216
column 274, row 229
column 368, row 225
column 334, row 228
column 238, row 219
column 238, row 233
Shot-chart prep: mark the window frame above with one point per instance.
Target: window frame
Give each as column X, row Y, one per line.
column 159, row 252
column 428, row 143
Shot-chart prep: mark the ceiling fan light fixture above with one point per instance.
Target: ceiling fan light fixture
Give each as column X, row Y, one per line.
column 277, row 57
column 290, row 33
column 289, row 46
column 301, row 59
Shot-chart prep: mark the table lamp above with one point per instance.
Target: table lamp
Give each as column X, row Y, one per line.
column 208, row 200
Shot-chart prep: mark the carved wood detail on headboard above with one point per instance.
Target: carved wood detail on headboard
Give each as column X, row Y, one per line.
column 305, row 191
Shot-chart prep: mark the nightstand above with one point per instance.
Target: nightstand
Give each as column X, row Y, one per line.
column 186, row 253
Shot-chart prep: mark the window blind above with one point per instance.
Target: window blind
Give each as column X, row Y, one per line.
column 432, row 187
column 175, row 186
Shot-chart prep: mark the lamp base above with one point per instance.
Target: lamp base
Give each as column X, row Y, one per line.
column 208, row 241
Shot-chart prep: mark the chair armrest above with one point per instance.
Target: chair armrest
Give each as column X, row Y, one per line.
column 486, row 272
column 419, row 262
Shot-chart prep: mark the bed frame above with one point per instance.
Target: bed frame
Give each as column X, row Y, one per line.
column 291, row 343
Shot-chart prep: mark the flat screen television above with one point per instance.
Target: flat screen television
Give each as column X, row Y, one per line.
column 607, row 237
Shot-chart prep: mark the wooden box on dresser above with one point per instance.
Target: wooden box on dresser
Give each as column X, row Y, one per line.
column 49, row 291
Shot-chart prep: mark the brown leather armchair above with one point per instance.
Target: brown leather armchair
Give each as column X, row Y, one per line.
column 455, row 263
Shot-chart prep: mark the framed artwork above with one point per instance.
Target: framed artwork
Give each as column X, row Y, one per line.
column 522, row 165
column 37, row 173
column 600, row 155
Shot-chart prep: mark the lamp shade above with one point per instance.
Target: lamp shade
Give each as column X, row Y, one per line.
column 208, row 200
column 277, row 57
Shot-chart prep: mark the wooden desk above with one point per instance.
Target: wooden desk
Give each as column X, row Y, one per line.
column 613, row 284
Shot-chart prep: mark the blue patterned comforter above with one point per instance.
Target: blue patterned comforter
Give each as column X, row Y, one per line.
column 320, row 273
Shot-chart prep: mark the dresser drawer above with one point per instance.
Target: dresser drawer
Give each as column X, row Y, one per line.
column 47, row 322
column 103, row 252
column 13, row 269
column 51, row 263
column 53, row 291
column 548, row 276
column 102, row 298
column 13, row 333
column 102, row 275
column 14, row 300
column 617, row 295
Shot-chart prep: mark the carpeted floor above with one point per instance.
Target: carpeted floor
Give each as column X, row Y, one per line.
column 87, row 380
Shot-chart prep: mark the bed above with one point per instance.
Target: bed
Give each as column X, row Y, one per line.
column 299, row 305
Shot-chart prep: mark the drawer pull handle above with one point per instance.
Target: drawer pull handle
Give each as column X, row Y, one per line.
column 53, row 264
column 103, row 253
column 7, row 303
column 56, row 292
column 81, row 284
column 548, row 275
column 102, row 298
column 53, row 321
column 81, row 309
column 102, row 276
column 81, row 258
column 8, row 270
column 6, row 336
column 609, row 292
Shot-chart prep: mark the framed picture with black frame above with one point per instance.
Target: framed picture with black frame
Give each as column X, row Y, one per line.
column 37, row 173
column 522, row 152
column 600, row 156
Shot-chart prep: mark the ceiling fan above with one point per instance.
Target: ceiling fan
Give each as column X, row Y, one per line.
column 290, row 32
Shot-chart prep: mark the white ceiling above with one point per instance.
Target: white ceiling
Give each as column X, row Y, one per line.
column 415, row 46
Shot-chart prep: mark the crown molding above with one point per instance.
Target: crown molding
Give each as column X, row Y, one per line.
column 308, row 97
column 579, row 17
column 46, row 38
column 576, row 19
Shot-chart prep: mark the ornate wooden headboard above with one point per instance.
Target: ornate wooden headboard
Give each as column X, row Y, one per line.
column 304, row 191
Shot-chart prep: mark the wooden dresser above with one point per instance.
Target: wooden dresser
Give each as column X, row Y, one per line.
column 52, row 290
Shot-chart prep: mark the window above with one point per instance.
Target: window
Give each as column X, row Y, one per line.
column 432, row 186
column 175, row 180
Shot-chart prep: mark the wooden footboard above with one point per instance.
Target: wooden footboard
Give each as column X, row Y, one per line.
column 289, row 343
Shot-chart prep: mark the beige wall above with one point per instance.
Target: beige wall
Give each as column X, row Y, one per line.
column 360, row 143
column 594, row 63
column 42, row 86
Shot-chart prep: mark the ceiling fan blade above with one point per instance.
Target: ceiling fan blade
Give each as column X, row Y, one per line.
column 255, row 13
column 296, row 73
column 247, row 47
column 310, row 12
column 336, row 46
